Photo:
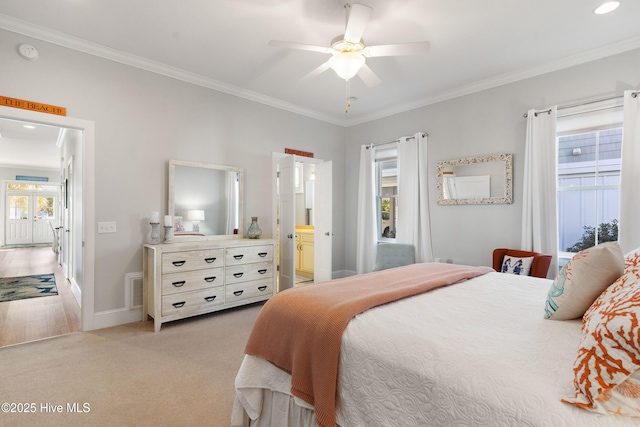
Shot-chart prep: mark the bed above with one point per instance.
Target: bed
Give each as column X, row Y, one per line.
column 474, row 353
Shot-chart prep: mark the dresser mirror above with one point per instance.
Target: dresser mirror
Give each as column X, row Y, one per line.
column 476, row 180
column 205, row 200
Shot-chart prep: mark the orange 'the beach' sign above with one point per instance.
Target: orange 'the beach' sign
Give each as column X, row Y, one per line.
column 33, row 106
column 298, row 152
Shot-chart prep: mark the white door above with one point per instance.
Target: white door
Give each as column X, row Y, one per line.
column 287, row 243
column 18, row 227
column 44, row 217
column 323, row 219
column 66, row 232
column 28, row 217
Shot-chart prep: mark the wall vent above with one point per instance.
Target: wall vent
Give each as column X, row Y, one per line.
column 133, row 290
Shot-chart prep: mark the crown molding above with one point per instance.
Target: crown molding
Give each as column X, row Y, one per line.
column 503, row 79
column 37, row 32
column 21, row 27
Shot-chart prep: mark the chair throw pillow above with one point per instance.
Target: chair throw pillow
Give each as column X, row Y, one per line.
column 515, row 265
column 582, row 280
column 606, row 369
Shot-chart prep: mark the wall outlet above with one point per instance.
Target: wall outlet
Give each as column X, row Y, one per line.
column 106, row 227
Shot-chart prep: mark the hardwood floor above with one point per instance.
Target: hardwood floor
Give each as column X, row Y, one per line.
column 36, row 318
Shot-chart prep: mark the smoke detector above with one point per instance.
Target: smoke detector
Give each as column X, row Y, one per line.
column 28, row 52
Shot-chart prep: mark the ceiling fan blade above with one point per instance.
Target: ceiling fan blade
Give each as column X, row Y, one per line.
column 317, row 71
column 415, row 48
column 299, row 46
column 359, row 16
column 368, row 76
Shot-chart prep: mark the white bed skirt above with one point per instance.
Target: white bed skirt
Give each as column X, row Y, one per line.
column 278, row 409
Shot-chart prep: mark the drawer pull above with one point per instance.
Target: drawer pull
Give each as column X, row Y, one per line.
column 210, row 279
column 178, row 263
column 209, row 299
column 179, row 284
column 178, row 304
column 210, row 260
column 262, row 288
column 237, row 275
column 238, row 256
column 264, row 270
column 262, row 254
column 237, row 293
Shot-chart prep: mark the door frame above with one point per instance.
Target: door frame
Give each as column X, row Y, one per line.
column 33, row 200
column 86, row 238
column 274, row 203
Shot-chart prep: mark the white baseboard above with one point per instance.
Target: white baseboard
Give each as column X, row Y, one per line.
column 109, row 318
column 76, row 291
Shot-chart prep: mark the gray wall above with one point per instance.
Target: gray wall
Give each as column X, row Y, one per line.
column 141, row 121
column 487, row 122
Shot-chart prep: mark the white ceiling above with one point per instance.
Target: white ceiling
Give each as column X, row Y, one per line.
column 33, row 147
column 222, row 44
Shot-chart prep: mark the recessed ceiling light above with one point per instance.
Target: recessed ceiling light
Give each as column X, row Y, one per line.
column 606, row 7
column 29, row 127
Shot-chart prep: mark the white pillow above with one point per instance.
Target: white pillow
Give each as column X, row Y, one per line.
column 582, row 280
column 515, row 265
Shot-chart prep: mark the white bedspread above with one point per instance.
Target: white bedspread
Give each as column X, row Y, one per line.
column 479, row 353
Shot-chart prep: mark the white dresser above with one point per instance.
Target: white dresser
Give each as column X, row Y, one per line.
column 190, row 278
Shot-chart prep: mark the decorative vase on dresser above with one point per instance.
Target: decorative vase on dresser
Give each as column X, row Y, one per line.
column 189, row 278
column 254, row 231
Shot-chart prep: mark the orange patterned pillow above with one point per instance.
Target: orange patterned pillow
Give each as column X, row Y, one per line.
column 621, row 282
column 609, row 353
column 632, row 262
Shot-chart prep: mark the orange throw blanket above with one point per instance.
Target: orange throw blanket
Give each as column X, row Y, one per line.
column 300, row 330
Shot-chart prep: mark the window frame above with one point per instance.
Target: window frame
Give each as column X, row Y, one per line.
column 597, row 173
column 384, row 154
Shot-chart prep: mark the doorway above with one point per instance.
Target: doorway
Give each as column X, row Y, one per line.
column 31, row 210
column 36, row 318
column 76, row 140
column 303, row 219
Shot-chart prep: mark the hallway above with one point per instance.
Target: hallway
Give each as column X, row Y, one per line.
column 36, row 318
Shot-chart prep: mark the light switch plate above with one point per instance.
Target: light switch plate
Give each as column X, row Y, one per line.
column 106, row 227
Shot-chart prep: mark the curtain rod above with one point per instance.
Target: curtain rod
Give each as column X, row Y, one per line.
column 633, row 95
column 395, row 140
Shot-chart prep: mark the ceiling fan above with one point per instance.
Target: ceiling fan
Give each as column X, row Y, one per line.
column 349, row 52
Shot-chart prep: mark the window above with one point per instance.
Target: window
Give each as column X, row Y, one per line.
column 588, row 187
column 387, row 193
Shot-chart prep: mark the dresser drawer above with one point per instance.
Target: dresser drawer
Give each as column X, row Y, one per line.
column 246, row 272
column 191, row 280
column 249, row 254
column 247, row 290
column 187, row 302
column 192, row 260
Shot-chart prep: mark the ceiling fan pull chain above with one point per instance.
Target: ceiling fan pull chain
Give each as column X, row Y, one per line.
column 346, row 110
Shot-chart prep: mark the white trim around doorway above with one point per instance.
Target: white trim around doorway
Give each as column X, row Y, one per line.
column 88, row 199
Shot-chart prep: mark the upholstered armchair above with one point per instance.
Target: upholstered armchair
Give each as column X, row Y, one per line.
column 539, row 266
column 390, row 255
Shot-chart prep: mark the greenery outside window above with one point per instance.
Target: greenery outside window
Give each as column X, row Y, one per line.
column 387, row 197
column 588, row 188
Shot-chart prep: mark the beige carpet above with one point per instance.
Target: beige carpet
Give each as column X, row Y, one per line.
column 129, row 376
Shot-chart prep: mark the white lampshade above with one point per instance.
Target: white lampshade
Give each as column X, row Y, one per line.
column 347, row 64
column 195, row 215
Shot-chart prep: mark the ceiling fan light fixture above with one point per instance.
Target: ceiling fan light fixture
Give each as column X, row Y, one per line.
column 347, row 64
column 607, row 7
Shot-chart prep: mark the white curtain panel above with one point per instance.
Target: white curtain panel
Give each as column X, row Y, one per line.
column 539, row 204
column 629, row 231
column 413, row 197
column 367, row 228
